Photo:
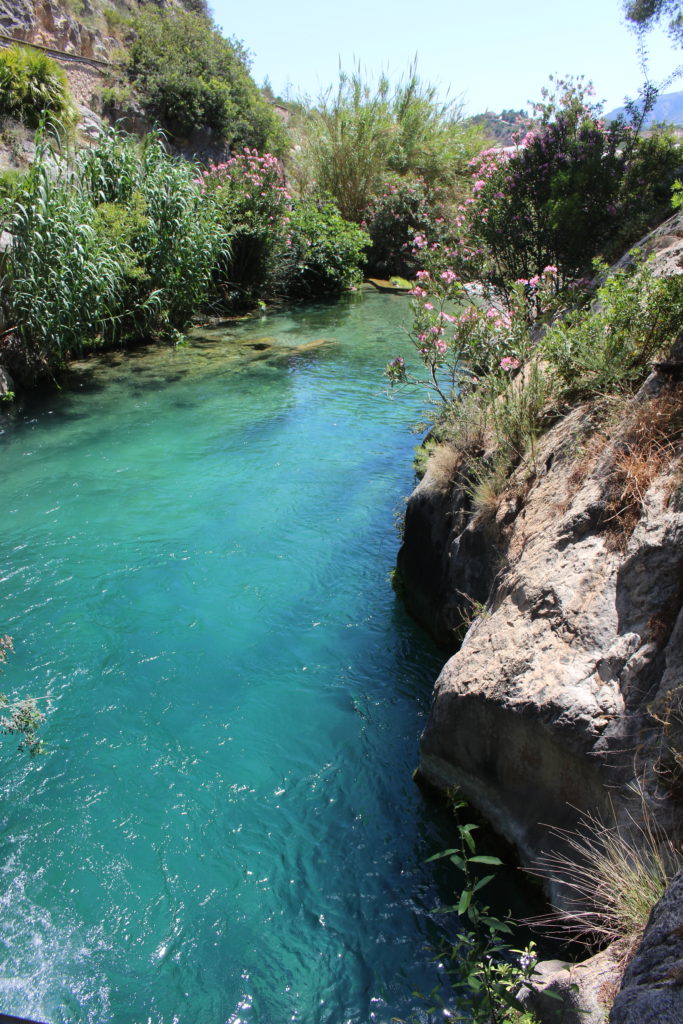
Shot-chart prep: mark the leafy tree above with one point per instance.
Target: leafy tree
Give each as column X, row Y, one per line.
column 190, row 77
column 644, row 14
column 573, row 186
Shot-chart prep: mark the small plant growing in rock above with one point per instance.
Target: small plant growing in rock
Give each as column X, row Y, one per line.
column 483, row 967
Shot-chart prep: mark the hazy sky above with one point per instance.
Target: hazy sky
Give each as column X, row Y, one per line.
column 493, row 54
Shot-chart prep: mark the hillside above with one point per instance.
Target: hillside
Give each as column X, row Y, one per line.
column 668, row 109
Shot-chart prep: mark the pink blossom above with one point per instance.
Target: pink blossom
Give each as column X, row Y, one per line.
column 509, row 363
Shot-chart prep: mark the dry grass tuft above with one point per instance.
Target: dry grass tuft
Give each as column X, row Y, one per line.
column 612, row 879
column 652, row 439
column 443, row 465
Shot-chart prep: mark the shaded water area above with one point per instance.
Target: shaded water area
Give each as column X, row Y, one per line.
column 194, row 566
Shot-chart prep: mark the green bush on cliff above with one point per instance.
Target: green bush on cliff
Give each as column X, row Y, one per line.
column 191, row 78
column 610, row 348
column 32, row 86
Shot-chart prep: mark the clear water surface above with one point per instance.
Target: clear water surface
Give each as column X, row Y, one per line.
column 194, row 566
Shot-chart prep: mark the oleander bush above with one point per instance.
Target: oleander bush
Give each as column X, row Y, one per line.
column 574, row 187
column 405, row 210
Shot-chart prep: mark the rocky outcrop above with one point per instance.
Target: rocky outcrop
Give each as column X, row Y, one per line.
column 544, row 715
column 50, row 23
column 652, row 988
column 566, row 993
column 447, row 564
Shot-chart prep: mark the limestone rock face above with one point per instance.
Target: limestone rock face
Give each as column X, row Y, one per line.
column 445, row 564
column 652, row 987
column 17, row 18
column 565, row 993
column 543, row 714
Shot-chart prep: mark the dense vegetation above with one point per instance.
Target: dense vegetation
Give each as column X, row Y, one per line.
column 191, row 78
column 498, row 380
column 121, row 241
column 33, row 86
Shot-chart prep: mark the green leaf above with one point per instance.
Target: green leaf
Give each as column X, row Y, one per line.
column 458, row 861
column 494, row 924
column 483, row 858
column 438, row 856
column 465, row 900
column 482, row 882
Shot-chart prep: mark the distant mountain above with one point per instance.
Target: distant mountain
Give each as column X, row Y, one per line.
column 669, row 108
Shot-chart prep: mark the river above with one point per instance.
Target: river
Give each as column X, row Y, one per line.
column 194, row 567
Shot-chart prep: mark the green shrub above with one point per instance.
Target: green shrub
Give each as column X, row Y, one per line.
column 404, row 209
column 190, row 78
column 609, row 348
column 324, row 252
column 33, row 85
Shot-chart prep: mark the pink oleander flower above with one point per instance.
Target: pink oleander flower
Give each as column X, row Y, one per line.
column 509, row 363
column 428, row 305
column 448, row 276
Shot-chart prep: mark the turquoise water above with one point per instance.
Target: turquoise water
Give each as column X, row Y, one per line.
column 193, row 565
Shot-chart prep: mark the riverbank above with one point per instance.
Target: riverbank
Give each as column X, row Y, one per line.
column 561, row 707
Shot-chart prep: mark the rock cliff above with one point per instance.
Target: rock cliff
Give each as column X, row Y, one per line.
column 567, row 686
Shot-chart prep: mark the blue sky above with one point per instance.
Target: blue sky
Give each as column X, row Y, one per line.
column 493, row 54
